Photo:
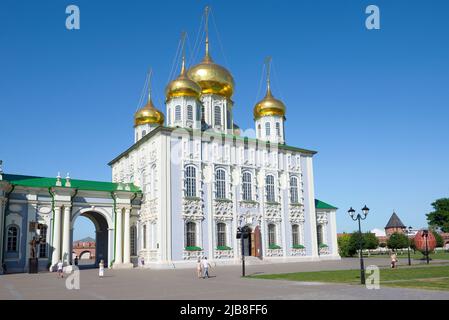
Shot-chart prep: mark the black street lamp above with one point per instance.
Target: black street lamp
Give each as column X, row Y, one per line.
column 425, row 234
column 408, row 249
column 243, row 233
column 359, row 217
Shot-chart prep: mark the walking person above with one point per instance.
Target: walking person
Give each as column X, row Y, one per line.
column 60, row 269
column 205, row 265
column 198, row 268
column 394, row 260
column 101, row 268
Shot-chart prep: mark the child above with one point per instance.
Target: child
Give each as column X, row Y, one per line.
column 198, row 268
column 101, row 268
column 394, row 260
column 60, row 269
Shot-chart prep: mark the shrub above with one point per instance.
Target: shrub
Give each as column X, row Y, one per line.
column 298, row 246
column 274, row 246
column 224, row 248
column 323, row 245
column 398, row 241
column 193, row 248
column 343, row 245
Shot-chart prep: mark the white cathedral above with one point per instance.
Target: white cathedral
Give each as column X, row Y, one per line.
column 181, row 191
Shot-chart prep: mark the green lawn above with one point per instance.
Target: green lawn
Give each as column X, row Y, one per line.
column 414, row 256
column 432, row 277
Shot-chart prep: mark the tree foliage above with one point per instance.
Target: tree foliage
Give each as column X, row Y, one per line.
column 398, row 241
column 440, row 216
column 343, row 245
column 439, row 239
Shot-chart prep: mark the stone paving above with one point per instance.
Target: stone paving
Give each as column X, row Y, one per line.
column 225, row 284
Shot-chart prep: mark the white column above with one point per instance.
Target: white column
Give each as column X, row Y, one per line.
column 56, row 255
column 66, row 236
column 118, row 241
column 126, row 240
column 2, row 229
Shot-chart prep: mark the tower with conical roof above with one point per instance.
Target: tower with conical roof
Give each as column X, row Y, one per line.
column 269, row 115
column 394, row 225
column 148, row 117
column 217, row 88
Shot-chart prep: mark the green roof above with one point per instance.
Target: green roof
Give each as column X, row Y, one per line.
column 42, row 182
column 323, row 205
column 234, row 137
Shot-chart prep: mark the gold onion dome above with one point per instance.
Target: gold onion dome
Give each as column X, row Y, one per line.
column 212, row 78
column 269, row 106
column 148, row 115
column 182, row 86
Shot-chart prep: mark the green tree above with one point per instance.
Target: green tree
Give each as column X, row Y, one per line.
column 398, row 241
column 371, row 241
column 440, row 217
column 439, row 239
column 343, row 245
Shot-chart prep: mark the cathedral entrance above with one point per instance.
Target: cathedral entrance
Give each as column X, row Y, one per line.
column 90, row 252
column 252, row 246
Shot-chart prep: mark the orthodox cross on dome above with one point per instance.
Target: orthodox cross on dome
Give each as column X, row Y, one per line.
column 268, row 64
column 206, row 28
column 150, row 72
column 183, row 50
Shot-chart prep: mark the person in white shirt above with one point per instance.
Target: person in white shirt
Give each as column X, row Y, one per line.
column 60, row 269
column 205, row 264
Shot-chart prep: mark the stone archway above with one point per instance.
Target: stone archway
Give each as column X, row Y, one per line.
column 102, row 245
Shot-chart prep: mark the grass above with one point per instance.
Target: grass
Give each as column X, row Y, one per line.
column 432, row 277
column 414, row 256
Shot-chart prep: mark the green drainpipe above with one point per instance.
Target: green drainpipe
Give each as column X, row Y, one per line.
column 115, row 225
column 52, row 195
column 4, row 222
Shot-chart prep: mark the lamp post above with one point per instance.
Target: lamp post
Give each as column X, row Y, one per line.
column 242, row 233
column 425, row 234
column 408, row 248
column 358, row 217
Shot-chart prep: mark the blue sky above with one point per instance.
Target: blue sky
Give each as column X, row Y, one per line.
column 374, row 104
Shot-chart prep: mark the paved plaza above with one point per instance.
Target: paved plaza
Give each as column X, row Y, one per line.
column 225, row 284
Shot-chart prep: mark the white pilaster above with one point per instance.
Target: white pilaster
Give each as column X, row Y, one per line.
column 126, row 240
column 66, row 236
column 56, row 255
column 118, row 241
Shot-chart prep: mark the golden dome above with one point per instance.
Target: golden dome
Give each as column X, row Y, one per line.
column 269, row 106
column 148, row 114
column 212, row 78
column 182, row 86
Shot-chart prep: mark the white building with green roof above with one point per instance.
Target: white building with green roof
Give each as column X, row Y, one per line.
column 182, row 190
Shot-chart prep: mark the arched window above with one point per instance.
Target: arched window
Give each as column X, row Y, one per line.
column 137, row 136
column 190, row 181
column 228, row 119
column 13, row 236
column 202, row 113
column 133, row 240
column 190, row 234
column 169, row 115
column 294, row 189
column 190, row 113
column 267, row 129
column 295, row 235
column 144, row 132
column 220, row 183
column 144, row 231
column 278, row 129
column 178, row 113
column 247, row 193
column 319, row 231
column 271, row 234
column 269, row 182
column 43, row 245
column 221, row 234
column 259, row 131
column 217, row 116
